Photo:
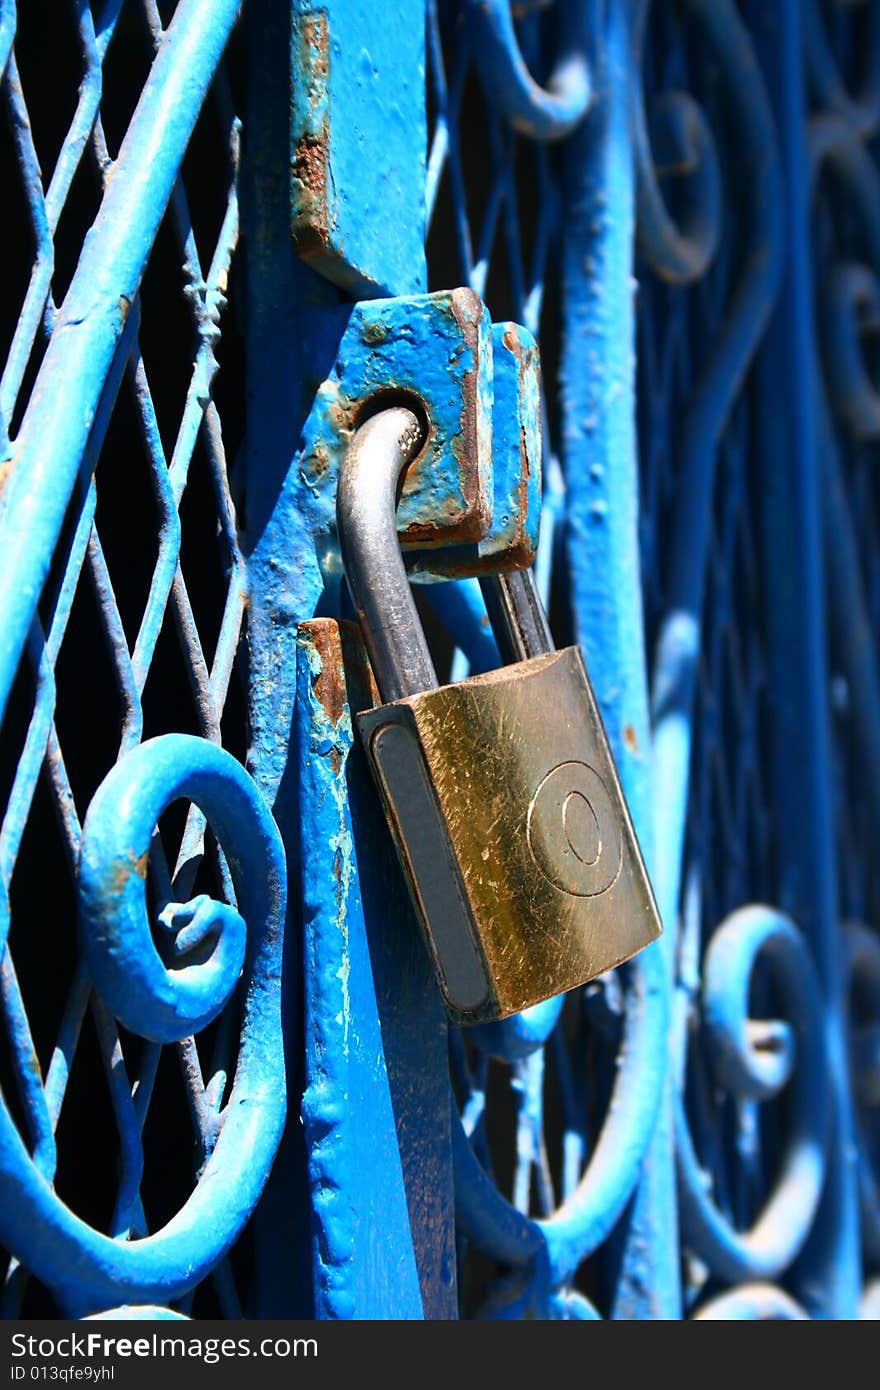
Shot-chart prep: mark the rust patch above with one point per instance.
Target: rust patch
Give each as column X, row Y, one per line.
column 310, row 157
column 345, row 679
column 467, row 310
column 315, row 54
column 374, row 333
column 310, row 229
column 137, row 864
column 329, row 683
column 510, row 339
column 630, row 738
column 343, row 415
column 320, row 461
column 310, row 167
column 5, row 469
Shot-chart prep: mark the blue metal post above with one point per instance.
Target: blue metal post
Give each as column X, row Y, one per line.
column 828, row 1275
column 343, row 1260
column 602, row 486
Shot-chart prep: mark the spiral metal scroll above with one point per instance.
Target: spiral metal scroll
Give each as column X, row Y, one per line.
column 675, row 144
column 166, row 999
column 753, row 1062
column 544, row 113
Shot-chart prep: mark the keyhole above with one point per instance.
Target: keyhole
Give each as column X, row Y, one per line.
column 581, row 828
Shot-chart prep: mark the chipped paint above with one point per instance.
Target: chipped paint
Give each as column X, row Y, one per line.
column 357, row 106
column 432, row 349
column 349, row 1087
column 513, row 419
column 472, row 498
column 332, row 739
column 310, row 224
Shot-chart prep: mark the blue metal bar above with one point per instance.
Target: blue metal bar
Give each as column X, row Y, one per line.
column 33, row 310
column 752, row 1303
column 590, row 1212
column 860, row 109
column 793, row 504
column 27, row 1072
column 601, row 525
column 55, row 430
column 295, row 323
column 7, row 32
column 348, row 1108
column 94, row 50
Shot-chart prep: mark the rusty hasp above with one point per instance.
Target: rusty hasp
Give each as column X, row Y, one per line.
column 470, row 499
column 512, row 538
column 358, row 138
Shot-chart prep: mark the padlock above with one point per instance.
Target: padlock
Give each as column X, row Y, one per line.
column 500, row 791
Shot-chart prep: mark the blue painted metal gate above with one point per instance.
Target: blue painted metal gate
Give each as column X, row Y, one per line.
column 228, row 1084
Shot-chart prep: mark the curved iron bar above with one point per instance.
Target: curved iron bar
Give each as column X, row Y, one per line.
column 752, row 1303
column 681, row 256
column 553, row 1248
column 138, row 1312
column 729, row 358
column 848, row 294
column 837, row 150
column 679, row 147
column 860, row 109
column 512, row 1039
column 757, row 1064
column 544, row 113
column 91, row 1269
column 870, row 1302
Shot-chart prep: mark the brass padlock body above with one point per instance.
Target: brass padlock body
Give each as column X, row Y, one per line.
column 513, row 832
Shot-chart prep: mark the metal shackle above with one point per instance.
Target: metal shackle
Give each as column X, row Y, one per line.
column 366, row 503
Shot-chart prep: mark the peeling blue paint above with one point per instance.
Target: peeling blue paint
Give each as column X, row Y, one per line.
column 358, row 141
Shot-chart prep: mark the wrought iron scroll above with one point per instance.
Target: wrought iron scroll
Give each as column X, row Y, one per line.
column 117, row 969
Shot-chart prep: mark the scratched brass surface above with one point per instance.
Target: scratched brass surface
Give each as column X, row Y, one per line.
column 547, row 857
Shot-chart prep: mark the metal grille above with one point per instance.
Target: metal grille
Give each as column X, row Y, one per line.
column 138, row 629
column 686, row 214
column 699, row 415
column 748, row 1081
column 843, row 51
